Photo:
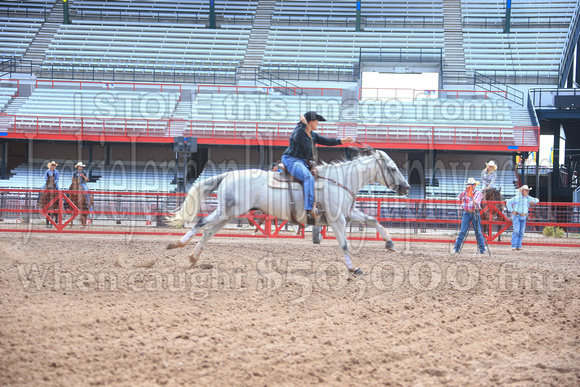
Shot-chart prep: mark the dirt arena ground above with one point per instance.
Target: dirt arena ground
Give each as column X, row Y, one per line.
column 96, row 310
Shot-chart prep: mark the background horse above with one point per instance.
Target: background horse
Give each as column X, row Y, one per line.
column 46, row 196
column 492, row 195
column 79, row 197
column 241, row 191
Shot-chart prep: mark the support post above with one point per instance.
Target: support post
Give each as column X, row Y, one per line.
column 555, row 183
column 90, row 146
column 211, row 14
column 65, row 17
column 358, row 11
column 508, row 15
column 538, row 172
column 4, row 152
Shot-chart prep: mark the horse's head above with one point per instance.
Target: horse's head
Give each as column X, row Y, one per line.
column 74, row 185
column 50, row 184
column 388, row 174
column 493, row 194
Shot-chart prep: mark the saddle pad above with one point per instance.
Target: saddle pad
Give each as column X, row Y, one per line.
column 274, row 182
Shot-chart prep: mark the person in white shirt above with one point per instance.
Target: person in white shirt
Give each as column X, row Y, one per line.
column 519, row 206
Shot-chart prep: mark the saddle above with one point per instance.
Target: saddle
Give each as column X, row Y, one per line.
column 284, row 180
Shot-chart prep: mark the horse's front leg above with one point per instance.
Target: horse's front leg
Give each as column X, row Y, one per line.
column 359, row 216
column 339, row 229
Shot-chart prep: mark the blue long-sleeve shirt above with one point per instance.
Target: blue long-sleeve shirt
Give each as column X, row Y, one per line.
column 51, row 173
column 301, row 146
column 521, row 204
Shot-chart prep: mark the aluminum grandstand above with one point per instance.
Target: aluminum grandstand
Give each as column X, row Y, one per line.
column 118, row 82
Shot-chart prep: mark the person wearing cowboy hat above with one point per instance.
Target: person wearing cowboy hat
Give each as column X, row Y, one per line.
column 301, row 151
column 471, row 204
column 519, row 206
column 83, row 177
column 52, row 171
column 488, row 175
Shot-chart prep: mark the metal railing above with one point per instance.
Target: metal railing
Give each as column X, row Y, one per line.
column 329, row 73
column 395, row 136
column 545, row 98
column 368, row 21
column 401, row 55
column 14, row 10
column 9, row 66
column 492, row 84
column 156, row 16
column 407, row 219
column 526, row 77
column 266, row 79
column 518, row 21
column 566, row 59
column 110, row 73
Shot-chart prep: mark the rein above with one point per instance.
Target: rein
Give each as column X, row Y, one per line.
column 339, row 184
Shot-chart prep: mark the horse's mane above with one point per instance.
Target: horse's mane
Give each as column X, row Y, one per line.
column 366, row 152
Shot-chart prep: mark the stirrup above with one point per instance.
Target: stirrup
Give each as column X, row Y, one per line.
column 310, row 219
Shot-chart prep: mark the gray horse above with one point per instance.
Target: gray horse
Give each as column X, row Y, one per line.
column 241, row 191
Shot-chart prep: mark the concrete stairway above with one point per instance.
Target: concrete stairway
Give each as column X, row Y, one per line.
column 37, row 49
column 14, row 105
column 259, row 35
column 520, row 116
column 454, row 61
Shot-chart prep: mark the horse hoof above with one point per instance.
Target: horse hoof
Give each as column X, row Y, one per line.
column 172, row 246
column 358, row 271
column 390, row 246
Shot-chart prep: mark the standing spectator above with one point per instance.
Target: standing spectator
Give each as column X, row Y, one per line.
column 519, row 206
column 471, row 204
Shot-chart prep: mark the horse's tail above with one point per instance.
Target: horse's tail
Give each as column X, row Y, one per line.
column 192, row 203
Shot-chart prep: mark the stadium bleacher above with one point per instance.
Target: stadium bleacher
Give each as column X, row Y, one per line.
column 180, row 11
column 537, row 33
column 165, row 48
column 16, row 34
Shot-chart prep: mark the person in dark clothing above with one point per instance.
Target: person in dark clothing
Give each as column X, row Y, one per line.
column 301, row 150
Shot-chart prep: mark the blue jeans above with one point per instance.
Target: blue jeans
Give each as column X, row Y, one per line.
column 519, row 225
column 466, row 220
column 85, row 188
column 298, row 168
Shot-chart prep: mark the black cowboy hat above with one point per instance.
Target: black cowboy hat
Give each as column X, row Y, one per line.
column 312, row 116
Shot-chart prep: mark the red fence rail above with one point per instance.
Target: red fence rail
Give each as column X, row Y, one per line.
column 234, row 132
column 406, row 219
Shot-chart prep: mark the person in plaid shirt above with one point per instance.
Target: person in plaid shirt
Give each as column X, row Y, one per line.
column 471, row 204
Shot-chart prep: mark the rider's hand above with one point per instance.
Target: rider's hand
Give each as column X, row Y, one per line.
column 302, row 119
column 347, row 140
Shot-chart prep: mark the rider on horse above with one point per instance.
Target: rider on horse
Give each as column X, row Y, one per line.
column 83, row 177
column 51, row 171
column 301, row 151
column 488, row 176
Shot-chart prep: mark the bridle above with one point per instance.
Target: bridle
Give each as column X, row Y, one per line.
column 374, row 154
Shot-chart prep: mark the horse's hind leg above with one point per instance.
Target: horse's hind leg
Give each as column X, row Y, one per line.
column 207, row 235
column 359, row 216
column 339, row 229
column 201, row 224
